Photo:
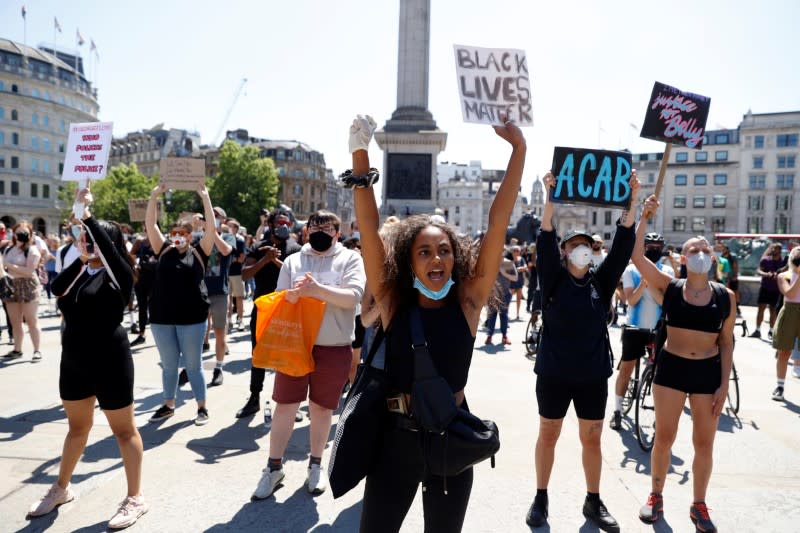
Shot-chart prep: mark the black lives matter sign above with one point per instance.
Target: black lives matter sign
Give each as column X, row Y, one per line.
column 591, row 177
column 491, row 82
column 676, row 117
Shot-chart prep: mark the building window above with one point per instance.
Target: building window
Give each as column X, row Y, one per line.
column 35, row 142
column 786, row 161
column 607, row 217
column 700, row 179
column 681, row 157
column 718, row 200
column 45, row 191
column 34, row 190
column 680, row 179
column 2, row 114
column 34, row 165
column 594, row 218
column 35, row 119
column 14, row 114
column 720, row 179
column 783, row 202
column 281, row 154
column 758, row 141
column 297, row 190
column 758, row 161
column 14, row 161
column 3, row 187
column 15, row 138
column 14, row 188
column 717, row 223
column 458, row 210
column 758, row 182
column 2, row 137
column 62, row 125
column 699, row 201
column 721, row 155
column 678, row 223
column 701, row 156
column 755, row 203
column 46, row 165
column 679, row 201
column 721, row 138
column 2, row 161
column 651, row 178
column 784, row 181
column 698, row 223
column 61, row 148
column 46, row 144
column 781, row 141
column 298, row 173
column 46, row 121
column 782, row 223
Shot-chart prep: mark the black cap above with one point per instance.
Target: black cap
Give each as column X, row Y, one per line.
column 571, row 234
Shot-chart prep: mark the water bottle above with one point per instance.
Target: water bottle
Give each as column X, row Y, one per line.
column 267, row 416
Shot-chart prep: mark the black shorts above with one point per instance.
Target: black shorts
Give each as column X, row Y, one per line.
column 634, row 341
column 692, row 376
column 359, row 340
column 768, row 297
column 104, row 373
column 555, row 394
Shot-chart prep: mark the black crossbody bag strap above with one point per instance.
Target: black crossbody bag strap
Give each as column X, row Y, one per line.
column 423, row 365
column 373, row 349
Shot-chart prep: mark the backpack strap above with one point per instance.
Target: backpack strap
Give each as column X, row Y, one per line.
column 64, row 251
column 722, row 298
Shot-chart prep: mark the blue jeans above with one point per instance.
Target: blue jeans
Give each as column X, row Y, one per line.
column 172, row 341
column 503, row 311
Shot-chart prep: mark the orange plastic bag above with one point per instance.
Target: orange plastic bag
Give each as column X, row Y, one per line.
column 286, row 332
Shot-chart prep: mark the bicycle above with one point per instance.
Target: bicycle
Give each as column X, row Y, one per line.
column 532, row 335
column 733, row 390
column 639, row 393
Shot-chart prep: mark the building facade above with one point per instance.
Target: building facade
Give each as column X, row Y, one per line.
column 146, row 148
column 40, row 95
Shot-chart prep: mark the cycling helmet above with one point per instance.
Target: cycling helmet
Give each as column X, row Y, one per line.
column 654, row 238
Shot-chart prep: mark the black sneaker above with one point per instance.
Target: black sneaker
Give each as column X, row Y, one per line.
column 250, row 408
column 138, row 340
column 134, row 329
column 206, row 346
column 216, row 379
column 616, row 421
column 202, row 417
column 163, row 412
column 698, row 514
column 777, row 394
column 183, row 378
column 595, row 510
column 756, row 334
column 13, row 354
column 537, row 514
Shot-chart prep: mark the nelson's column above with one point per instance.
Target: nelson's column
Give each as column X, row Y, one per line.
column 410, row 139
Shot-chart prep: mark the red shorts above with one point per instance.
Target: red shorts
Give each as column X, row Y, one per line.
column 324, row 385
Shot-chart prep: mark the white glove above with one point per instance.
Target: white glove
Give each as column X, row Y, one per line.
column 361, row 133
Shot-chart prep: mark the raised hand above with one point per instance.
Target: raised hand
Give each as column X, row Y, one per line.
column 650, row 207
column 361, row 132
column 510, row 132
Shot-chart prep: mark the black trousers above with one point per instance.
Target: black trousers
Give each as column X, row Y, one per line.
column 143, row 289
column 393, row 483
column 256, row 374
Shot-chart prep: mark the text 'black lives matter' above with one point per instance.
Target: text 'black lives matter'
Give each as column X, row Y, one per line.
column 491, row 82
column 591, row 177
column 676, row 117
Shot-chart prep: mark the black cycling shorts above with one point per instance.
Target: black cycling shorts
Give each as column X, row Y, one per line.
column 634, row 342
column 692, row 376
column 359, row 340
column 555, row 394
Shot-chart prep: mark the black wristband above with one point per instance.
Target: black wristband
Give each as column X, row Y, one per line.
column 349, row 181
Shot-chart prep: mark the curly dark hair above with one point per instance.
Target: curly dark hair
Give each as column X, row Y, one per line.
column 114, row 232
column 399, row 276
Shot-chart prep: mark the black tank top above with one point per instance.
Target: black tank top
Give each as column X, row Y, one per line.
column 682, row 314
column 450, row 343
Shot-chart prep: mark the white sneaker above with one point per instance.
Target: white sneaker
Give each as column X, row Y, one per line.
column 268, row 483
column 317, row 481
column 129, row 512
column 54, row 497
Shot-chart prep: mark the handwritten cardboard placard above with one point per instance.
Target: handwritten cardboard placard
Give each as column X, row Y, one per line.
column 493, row 81
column 87, row 151
column 591, row 177
column 137, row 209
column 183, row 173
column 676, row 117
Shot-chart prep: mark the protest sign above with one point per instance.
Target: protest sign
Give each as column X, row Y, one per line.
column 137, row 209
column 591, row 177
column 493, row 81
column 87, row 151
column 183, row 173
column 676, row 117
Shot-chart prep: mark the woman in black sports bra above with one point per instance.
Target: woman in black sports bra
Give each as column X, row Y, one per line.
column 695, row 362
column 424, row 264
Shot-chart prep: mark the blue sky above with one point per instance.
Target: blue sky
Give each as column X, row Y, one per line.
column 313, row 64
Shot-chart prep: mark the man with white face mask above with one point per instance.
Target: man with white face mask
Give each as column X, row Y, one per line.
column 573, row 363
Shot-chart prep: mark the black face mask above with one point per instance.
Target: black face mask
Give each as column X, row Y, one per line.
column 23, row 237
column 320, row 241
column 796, row 261
column 653, row 255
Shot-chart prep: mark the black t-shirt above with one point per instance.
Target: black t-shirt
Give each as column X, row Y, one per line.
column 179, row 293
column 267, row 278
column 236, row 267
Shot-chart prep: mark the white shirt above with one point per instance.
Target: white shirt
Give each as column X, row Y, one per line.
column 647, row 311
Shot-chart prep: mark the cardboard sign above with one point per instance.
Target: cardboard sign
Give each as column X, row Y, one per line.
column 87, row 151
column 137, row 209
column 183, row 173
column 591, row 177
column 493, row 81
column 676, row 117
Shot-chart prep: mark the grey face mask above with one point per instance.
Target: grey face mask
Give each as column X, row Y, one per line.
column 699, row 263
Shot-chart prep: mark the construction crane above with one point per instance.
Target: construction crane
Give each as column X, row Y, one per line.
column 230, row 110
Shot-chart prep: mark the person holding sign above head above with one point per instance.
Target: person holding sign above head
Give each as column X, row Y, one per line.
column 574, row 360
column 695, row 361
column 179, row 303
column 424, row 270
column 96, row 362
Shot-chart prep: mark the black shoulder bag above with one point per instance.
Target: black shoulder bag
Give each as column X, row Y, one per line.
column 359, row 431
column 454, row 439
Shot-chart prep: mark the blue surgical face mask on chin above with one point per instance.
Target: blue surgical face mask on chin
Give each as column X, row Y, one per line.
column 433, row 295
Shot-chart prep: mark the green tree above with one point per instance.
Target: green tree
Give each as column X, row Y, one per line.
column 245, row 183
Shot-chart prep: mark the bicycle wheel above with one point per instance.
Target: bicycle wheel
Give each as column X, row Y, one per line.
column 531, row 336
column 733, row 391
column 645, row 411
column 629, row 398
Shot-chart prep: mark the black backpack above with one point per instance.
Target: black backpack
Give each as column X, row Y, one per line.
column 720, row 295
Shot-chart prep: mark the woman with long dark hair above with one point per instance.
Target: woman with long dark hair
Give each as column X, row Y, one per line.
column 96, row 363
column 20, row 260
column 432, row 268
